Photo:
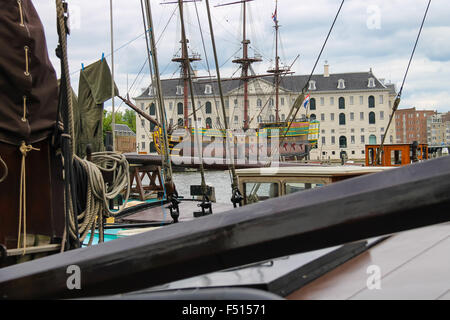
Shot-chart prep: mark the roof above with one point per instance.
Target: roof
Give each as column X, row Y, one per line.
column 125, row 129
column 310, row 171
column 294, row 83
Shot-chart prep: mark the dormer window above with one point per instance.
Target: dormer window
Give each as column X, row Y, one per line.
column 312, row 85
column 179, row 90
column 341, row 84
column 371, row 83
column 208, row 89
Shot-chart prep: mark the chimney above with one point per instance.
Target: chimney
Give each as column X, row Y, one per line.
column 326, row 70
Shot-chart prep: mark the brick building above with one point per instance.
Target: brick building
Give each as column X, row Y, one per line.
column 411, row 125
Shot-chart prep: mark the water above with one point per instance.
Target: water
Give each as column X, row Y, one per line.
column 220, row 180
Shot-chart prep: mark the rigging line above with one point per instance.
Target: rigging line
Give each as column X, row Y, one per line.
column 310, row 76
column 191, row 89
column 398, row 98
column 298, row 104
column 414, row 49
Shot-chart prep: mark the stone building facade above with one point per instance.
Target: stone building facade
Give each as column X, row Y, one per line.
column 353, row 108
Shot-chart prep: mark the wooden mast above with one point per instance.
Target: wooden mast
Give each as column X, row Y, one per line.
column 277, row 71
column 185, row 60
column 245, row 61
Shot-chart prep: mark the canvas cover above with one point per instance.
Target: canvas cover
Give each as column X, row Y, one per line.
column 94, row 89
column 40, row 87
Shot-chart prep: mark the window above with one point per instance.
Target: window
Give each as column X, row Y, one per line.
column 236, row 119
column 363, row 139
column 271, row 102
column 380, row 99
column 361, row 116
column 372, row 118
column 341, row 84
column 371, row 102
column 332, row 116
column 342, row 118
column 265, row 191
column 352, row 116
column 283, row 117
column 323, row 140
column 227, row 103
column 341, row 103
column 343, row 142
column 361, row 100
column 322, row 117
column 312, row 104
column 170, row 106
column 396, row 157
column 259, row 103
column 272, row 118
column 381, row 115
column 180, row 108
column 332, row 101
column 313, row 117
column 208, row 89
column 371, row 83
column 333, row 140
column 180, row 122
column 352, row 139
column 235, row 102
column 208, row 123
column 260, row 119
column 372, row 139
column 142, row 106
column 312, row 85
column 152, row 109
column 322, row 101
column 179, row 90
column 143, row 145
column 351, row 100
column 208, row 107
column 143, row 123
column 282, row 101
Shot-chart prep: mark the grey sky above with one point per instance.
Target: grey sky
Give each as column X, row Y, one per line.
column 368, row 34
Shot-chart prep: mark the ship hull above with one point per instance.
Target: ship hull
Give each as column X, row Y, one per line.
column 269, row 143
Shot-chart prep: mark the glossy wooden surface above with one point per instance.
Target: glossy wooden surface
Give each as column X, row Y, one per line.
column 413, row 265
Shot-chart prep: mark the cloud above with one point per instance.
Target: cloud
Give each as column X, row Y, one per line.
column 368, row 34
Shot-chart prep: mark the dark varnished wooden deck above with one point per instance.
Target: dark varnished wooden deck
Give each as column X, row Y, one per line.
column 413, row 264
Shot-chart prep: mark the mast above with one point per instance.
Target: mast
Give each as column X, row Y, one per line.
column 277, row 71
column 112, row 78
column 167, row 165
column 185, row 60
column 245, row 62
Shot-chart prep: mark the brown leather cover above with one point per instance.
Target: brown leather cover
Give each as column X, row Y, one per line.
column 40, row 87
column 45, row 193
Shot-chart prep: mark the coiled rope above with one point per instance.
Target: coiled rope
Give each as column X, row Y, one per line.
column 99, row 193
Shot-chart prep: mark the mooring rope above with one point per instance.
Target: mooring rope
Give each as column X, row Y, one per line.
column 24, row 149
column 100, row 193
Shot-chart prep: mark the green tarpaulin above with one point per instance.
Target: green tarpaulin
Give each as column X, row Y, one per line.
column 94, row 89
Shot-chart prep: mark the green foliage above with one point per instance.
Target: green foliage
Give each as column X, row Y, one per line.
column 128, row 118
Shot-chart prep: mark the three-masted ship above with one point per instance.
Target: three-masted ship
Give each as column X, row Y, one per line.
column 287, row 139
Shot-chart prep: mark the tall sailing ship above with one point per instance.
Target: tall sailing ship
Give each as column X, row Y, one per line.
column 288, row 139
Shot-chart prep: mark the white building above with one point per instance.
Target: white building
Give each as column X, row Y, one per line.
column 353, row 108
